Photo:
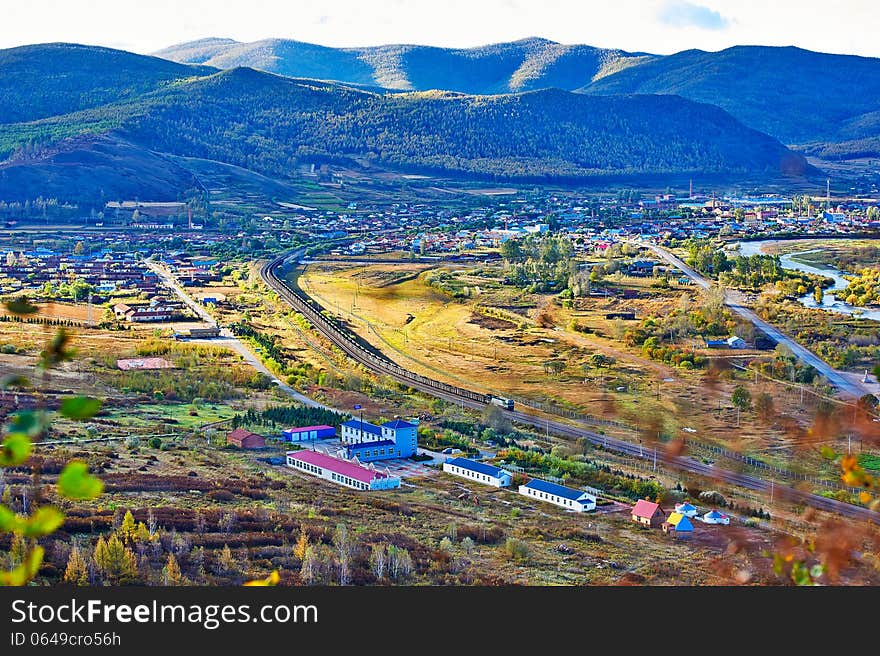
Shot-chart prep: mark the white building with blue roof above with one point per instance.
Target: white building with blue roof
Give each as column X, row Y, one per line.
column 368, row 442
column 480, row 472
column 559, row 495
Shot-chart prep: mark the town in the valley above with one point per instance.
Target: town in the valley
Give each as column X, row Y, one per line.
column 517, row 385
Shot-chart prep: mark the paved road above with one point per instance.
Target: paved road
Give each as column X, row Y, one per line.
column 734, row 300
column 169, row 280
column 645, row 452
column 251, row 358
column 227, row 338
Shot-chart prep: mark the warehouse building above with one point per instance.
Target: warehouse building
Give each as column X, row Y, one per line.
column 342, row 472
column 307, row 433
column 566, row 497
column 478, row 471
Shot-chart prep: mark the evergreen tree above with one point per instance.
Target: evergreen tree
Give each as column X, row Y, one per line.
column 77, row 572
column 171, row 574
column 116, row 562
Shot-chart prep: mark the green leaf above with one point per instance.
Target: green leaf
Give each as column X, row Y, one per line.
column 20, row 306
column 56, row 351
column 75, row 482
column 26, row 422
column 16, row 449
column 9, row 522
column 43, row 521
column 26, row 571
column 827, row 453
column 80, row 407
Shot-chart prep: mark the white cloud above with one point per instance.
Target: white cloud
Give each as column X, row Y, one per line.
column 645, row 25
column 686, row 14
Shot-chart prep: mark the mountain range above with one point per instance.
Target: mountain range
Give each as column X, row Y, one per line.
column 87, row 123
column 795, row 95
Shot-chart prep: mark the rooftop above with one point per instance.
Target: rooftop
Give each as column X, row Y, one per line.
column 558, row 490
column 365, row 426
column 399, row 423
column 645, row 508
column 343, row 467
column 479, row 467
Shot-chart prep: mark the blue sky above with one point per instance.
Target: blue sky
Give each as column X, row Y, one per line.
column 659, row 26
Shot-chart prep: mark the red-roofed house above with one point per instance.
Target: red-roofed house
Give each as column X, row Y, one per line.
column 342, row 472
column 648, row 513
column 244, row 439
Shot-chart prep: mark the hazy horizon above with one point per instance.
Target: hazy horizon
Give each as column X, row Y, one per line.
column 654, row 26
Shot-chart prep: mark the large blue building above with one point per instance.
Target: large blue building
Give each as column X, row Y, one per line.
column 368, row 442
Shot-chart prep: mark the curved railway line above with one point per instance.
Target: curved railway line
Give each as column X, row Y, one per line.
column 370, row 357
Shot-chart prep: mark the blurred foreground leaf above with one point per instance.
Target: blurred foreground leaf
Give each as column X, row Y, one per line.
column 16, row 449
column 80, row 407
column 75, row 482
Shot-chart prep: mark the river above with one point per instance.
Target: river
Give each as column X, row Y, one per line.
column 830, row 302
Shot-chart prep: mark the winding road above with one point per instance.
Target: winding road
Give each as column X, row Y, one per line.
column 382, row 365
column 226, row 338
column 734, row 300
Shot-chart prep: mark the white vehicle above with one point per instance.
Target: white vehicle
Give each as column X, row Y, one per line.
column 501, row 402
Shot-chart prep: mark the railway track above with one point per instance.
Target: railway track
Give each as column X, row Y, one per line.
column 376, row 361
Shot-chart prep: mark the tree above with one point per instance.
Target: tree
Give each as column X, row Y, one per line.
column 494, row 418
column 378, row 559
column 764, row 406
column 302, row 544
column 116, row 562
column 511, row 250
column 818, row 295
column 742, row 399
column 79, row 248
column 77, row 571
column 171, row 574
column 128, row 529
column 227, row 562
column 342, row 542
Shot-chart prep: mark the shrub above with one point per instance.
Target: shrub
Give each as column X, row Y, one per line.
column 221, row 495
column 155, row 442
column 516, row 550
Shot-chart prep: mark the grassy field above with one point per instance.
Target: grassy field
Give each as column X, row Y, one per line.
column 464, row 341
column 203, row 497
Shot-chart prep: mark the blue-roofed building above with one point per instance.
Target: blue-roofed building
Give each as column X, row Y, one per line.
column 369, row 451
column 355, row 431
column 480, row 472
column 370, row 441
column 559, row 495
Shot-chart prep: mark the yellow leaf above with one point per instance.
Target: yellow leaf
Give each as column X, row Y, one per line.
column 864, row 497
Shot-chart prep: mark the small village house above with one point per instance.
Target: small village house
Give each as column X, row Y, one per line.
column 244, row 439
column 715, row 517
column 480, row 472
column 560, row 495
column 678, row 524
column 686, row 509
column 648, row 514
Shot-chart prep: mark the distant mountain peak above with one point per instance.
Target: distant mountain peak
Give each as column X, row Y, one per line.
column 529, row 63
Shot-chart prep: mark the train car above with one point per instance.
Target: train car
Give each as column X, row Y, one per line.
column 501, row 402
